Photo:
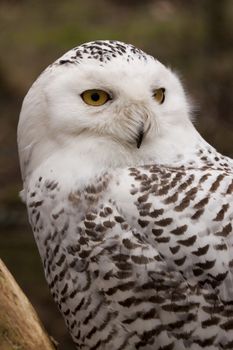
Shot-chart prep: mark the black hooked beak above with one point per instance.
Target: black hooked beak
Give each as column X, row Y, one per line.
column 140, row 136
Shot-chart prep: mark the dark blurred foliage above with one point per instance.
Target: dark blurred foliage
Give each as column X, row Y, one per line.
column 193, row 37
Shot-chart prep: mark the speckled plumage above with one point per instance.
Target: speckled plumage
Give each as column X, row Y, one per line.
column 102, row 52
column 136, row 243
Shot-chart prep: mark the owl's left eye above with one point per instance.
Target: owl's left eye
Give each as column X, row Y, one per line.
column 95, row 97
column 159, row 95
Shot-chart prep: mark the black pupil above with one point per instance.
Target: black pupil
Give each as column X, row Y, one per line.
column 95, row 96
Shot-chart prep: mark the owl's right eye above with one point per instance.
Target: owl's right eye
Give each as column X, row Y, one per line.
column 95, row 97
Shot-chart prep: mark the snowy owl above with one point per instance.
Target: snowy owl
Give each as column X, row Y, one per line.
column 131, row 209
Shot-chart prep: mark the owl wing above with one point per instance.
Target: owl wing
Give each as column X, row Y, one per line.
column 121, row 263
column 187, row 214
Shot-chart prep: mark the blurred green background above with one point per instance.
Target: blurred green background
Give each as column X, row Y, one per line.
column 193, row 37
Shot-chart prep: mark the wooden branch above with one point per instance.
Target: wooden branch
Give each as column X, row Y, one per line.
column 20, row 328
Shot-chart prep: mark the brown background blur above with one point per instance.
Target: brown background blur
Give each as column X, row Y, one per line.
column 193, row 37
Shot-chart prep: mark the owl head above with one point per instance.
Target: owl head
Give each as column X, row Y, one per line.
column 108, row 101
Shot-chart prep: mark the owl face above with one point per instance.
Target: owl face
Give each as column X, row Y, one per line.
column 104, row 91
column 120, row 99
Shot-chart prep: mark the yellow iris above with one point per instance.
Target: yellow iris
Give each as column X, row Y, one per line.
column 159, row 95
column 95, row 97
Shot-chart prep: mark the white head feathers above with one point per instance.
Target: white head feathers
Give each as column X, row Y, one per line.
column 54, row 116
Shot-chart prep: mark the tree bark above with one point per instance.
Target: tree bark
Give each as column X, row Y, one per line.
column 20, row 327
